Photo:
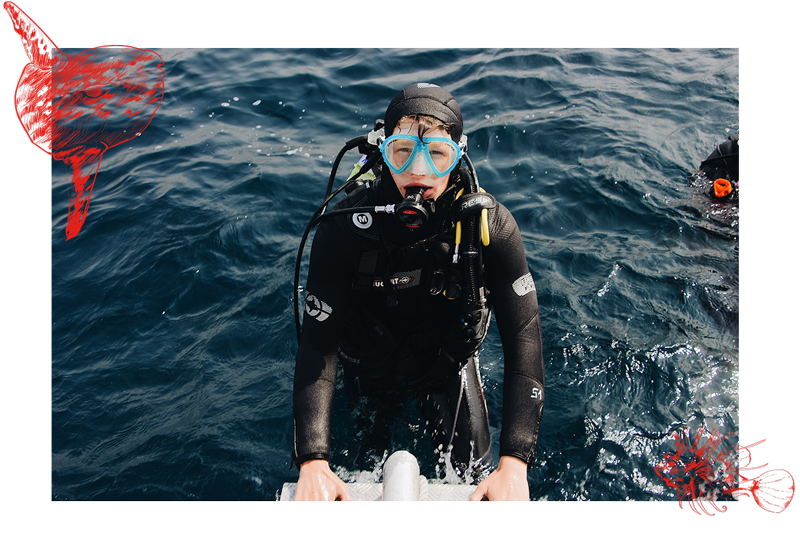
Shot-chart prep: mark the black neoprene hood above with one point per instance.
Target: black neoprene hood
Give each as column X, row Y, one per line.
column 424, row 99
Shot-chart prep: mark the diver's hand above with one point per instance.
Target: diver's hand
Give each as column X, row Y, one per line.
column 318, row 483
column 509, row 482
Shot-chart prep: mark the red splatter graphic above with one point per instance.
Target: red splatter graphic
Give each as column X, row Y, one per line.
column 701, row 472
column 75, row 107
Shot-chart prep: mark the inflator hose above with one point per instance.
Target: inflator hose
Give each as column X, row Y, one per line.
column 472, row 253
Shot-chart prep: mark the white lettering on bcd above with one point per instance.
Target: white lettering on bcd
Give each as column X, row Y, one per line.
column 362, row 220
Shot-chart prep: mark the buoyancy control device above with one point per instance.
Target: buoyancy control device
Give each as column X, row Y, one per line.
column 469, row 212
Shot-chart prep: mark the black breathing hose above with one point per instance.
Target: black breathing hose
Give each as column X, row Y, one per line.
column 318, row 214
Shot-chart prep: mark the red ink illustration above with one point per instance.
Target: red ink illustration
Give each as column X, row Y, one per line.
column 75, row 107
column 701, row 472
column 772, row 491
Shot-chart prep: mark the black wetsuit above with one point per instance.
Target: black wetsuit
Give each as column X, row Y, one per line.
column 374, row 301
column 723, row 163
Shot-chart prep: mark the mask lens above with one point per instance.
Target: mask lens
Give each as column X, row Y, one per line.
column 443, row 155
column 399, row 150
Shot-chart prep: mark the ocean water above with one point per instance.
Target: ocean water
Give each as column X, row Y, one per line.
column 173, row 334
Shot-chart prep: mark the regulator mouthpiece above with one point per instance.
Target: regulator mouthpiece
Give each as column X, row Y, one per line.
column 411, row 212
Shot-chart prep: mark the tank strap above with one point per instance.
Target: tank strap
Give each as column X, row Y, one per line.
column 367, row 269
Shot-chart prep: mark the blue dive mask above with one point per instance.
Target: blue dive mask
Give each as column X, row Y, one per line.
column 439, row 154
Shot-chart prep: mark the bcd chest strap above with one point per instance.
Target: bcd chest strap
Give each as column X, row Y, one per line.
column 376, row 267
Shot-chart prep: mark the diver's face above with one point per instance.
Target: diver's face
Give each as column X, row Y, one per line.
column 419, row 172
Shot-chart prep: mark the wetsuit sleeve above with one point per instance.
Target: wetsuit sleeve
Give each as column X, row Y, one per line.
column 515, row 305
column 330, row 275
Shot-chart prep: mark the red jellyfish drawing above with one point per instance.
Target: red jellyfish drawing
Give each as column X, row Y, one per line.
column 772, row 491
column 75, row 107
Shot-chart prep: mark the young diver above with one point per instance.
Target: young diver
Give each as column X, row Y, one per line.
column 392, row 299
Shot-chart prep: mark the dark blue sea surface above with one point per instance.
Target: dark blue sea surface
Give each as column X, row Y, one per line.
column 173, row 336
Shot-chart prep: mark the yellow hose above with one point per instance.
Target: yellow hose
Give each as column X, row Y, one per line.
column 484, row 225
